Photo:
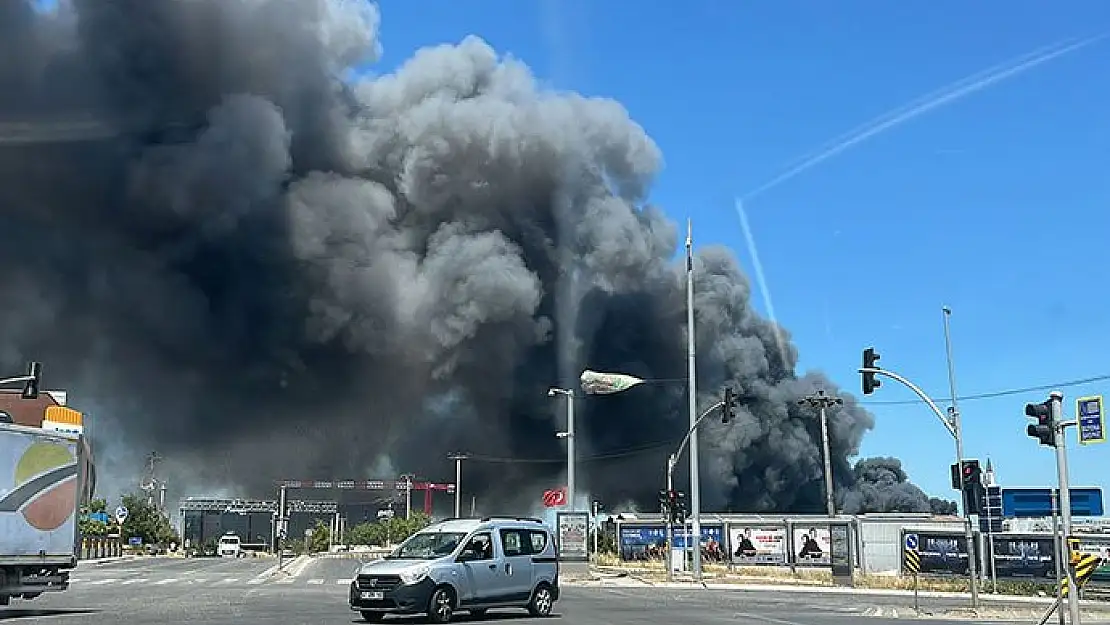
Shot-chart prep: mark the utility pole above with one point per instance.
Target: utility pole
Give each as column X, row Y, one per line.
column 150, row 485
column 569, row 435
column 458, row 457
column 408, row 478
column 691, row 356
column 822, row 402
column 957, row 429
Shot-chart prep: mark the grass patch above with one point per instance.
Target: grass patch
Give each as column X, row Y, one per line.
column 655, row 570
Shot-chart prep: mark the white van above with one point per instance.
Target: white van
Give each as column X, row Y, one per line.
column 229, row 547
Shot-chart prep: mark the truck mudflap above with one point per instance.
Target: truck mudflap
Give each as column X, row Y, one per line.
column 28, row 583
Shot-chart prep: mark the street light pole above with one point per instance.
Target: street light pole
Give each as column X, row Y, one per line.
column 691, row 356
column 672, row 462
column 821, row 401
column 957, row 430
column 458, row 457
column 1058, row 423
column 408, row 478
column 569, row 435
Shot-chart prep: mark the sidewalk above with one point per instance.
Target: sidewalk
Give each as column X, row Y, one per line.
column 625, row 580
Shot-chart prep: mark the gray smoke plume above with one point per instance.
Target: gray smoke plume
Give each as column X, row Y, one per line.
column 229, row 252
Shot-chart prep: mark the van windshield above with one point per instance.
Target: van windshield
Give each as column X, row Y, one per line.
column 427, row 546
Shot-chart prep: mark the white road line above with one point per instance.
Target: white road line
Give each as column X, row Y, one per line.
column 256, row 581
column 100, row 582
column 136, row 580
column 286, row 580
column 163, row 582
column 315, row 581
column 228, row 580
column 342, row 582
column 198, row 580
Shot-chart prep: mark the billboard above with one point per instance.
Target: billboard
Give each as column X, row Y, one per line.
column 711, row 540
column 755, row 544
column 642, row 542
column 942, row 553
column 573, row 528
column 1024, row 556
column 811, row 545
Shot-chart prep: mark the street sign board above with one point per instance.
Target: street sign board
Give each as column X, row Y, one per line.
column 121, row 514
column 911, row 542
column 1037, row 502
column 990, row 522
column 1092, row 420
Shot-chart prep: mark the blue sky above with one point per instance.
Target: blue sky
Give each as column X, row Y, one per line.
column 994, row 204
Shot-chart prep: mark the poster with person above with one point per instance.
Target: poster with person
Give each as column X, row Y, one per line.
column 753, row 545
column 811, row 545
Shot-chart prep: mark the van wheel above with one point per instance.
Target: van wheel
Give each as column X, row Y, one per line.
column 441, row 607
column 542, row 601
column 372, row 617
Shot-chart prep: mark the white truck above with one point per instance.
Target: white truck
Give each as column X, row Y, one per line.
column 45, row 476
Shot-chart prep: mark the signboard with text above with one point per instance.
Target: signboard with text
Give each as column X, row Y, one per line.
column 1091, row 420
column 573, row 534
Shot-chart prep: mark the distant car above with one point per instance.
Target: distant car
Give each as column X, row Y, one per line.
column 462, row 564
column 230, row 547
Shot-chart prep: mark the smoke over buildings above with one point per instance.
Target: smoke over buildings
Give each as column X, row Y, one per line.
column 225, row 251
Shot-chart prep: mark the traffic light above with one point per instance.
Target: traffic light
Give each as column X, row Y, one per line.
column 727, row 410
column 31, row 387
column 677, row 506
column 1044, row 430
column 972, row 486
column 664, row 503
column 870, row 382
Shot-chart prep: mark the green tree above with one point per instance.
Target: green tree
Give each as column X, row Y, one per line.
column 321, row 537
column 146, row 522
column 93, row 527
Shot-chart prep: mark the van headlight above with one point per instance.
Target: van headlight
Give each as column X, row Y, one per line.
column 413, row 576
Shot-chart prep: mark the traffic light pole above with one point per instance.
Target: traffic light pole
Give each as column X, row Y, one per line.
column 672, row 462
column 953, row 429
column 957, row 432
column 1060, row 426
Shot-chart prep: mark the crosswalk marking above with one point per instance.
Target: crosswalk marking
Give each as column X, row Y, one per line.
column 220, row 582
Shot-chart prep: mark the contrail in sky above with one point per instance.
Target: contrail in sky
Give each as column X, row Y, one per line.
column 945, row 95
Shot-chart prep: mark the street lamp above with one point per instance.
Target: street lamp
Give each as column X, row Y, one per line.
column 569, row 435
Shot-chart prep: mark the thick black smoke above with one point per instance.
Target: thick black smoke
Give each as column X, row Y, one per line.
column 229, row 253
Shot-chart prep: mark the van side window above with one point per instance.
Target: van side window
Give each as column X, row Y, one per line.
column 480, row 546
column 539, row 541
column 515, row 542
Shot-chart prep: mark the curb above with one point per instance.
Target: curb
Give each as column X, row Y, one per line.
column 106, row 560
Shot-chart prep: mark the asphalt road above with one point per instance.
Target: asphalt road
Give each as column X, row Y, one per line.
column 210, row 591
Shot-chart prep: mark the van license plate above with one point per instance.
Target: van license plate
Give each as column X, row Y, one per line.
column 373, row 595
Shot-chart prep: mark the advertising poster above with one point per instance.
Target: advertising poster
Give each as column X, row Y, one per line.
column 942, row 553
column 574, row 536
column 811, row 545
column 755, row 545
column 711, row 541
column 1024, row 556
column 642, row 542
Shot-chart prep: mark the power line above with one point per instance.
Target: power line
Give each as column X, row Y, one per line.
column 994, row 394
column 649, row 447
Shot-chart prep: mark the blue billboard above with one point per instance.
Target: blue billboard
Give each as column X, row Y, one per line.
column 1037, row 502
column 648, row 541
